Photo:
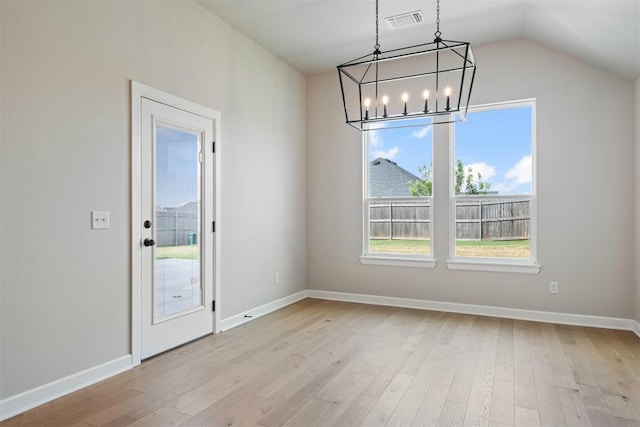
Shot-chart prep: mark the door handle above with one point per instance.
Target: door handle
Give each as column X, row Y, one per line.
column 149, row 242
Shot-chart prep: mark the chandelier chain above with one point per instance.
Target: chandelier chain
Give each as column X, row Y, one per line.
column 437, row 33
column 376, row 47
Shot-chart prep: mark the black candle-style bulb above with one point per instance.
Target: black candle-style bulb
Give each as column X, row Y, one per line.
column 405, row 98
column 385, row 111
column 426, row 101
column 448, row 107
column 366, row 114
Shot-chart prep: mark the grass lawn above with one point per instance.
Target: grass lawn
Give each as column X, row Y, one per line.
column 415, row 247
column 477, row 248
column 182, row 252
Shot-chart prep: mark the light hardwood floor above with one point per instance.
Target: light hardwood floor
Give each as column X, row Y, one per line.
column 322, row 363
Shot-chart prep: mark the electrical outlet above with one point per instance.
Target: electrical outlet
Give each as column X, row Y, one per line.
column 553, row 287
column 276, row 278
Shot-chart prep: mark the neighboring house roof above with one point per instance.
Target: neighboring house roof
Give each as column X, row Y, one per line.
column 387, row 179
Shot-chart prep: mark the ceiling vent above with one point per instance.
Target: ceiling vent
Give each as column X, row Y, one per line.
column 405, row 19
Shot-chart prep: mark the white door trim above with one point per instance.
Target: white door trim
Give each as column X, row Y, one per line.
column 138, row 92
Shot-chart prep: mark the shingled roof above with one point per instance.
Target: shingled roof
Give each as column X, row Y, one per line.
column 387, row 179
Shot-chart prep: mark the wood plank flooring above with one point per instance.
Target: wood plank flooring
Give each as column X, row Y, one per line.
column 324, row 363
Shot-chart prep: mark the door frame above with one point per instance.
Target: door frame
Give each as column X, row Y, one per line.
column 138, row 92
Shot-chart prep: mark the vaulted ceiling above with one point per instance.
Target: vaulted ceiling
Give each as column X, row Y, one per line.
column 316, row 35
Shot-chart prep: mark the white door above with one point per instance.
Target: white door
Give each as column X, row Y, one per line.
column 176, row 230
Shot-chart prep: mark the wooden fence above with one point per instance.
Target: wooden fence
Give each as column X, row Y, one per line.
column 493, row 219
column 399, row 220
column 176, row 228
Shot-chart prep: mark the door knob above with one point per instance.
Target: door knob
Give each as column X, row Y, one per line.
column 149, row 242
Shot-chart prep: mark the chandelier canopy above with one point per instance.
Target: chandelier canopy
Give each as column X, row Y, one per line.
column 384, row 89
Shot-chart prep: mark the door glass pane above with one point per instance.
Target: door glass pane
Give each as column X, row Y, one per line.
column 177, row 284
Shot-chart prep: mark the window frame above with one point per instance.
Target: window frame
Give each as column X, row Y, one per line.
column 495, row 264
column 390, row 259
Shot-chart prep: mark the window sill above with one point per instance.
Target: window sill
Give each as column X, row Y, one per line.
column 493, row 266
column 397, row 261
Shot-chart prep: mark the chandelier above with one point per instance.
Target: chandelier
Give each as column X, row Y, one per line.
column 409, row 86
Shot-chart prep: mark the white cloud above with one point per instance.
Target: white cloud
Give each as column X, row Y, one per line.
column 375, row 139
column 485, row 170
column 422, row 132
column 503, row 187
column 386, row 154
column 377, row 148
column 521, row 172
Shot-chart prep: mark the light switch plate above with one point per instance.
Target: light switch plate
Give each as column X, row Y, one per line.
column 99, row 220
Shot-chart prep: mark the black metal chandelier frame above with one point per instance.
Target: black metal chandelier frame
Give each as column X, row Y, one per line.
column 364, row 77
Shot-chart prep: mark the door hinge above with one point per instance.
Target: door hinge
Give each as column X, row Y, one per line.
column 213, row 227
column 213, row 144
column 213, row 305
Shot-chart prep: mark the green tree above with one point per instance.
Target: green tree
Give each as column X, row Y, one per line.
column 483, row 187
column 472, row 188
column 423, row 186
column 469, row 186
column 459, row 175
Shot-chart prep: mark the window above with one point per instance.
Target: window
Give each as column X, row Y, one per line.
column 492, row 191
column 492, row 213
column 398, row 187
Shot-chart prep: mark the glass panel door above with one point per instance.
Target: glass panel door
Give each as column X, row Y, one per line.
column 177, row 251
column 177, row 284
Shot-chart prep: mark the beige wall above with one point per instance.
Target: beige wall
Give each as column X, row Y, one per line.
column 1, row 236
column 637, row 198
column 64, row 151
column 65, row 136
column 585, row 166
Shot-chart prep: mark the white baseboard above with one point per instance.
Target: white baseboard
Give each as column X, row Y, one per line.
column 29, row 399
column 509, row 313
column 254, row 313
column 22, row 402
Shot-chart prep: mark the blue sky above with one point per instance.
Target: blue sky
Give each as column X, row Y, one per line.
column 496, row 143
column 409, row 147
column 176, row 167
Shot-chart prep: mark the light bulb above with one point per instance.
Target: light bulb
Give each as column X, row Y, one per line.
column 367, row 102
column 447, row 91
column 405, row 97
column 426, row 101
column 385, row 99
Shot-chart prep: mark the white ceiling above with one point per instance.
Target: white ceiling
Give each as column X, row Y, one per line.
column 317, row 35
